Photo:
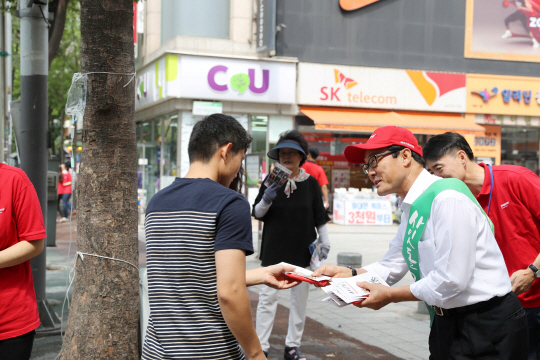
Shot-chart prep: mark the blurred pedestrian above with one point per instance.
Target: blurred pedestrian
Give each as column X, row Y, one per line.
column 293, row 215
column 66, row 193
column 22, row 237
column 510, row 195
column 60, row 192
column 198, row 233
column 446, row 241
column 317, row 172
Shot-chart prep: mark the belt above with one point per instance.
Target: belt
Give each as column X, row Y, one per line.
column 483, row 305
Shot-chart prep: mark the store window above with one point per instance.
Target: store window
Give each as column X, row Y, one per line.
column 519, row 146
column 157, row 152
column 191, row 18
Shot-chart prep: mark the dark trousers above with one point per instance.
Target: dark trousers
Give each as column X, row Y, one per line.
column 17, row 348
column 497, row 332
column 66, row 205
column 533, row 318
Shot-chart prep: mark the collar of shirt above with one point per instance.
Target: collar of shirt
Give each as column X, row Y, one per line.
column 422, row 182
column 486, row 186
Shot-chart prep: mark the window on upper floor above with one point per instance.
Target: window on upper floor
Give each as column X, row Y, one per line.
column 200, row 18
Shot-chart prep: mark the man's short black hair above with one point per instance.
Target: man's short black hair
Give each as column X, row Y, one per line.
column 296, row 136
column 397, row 148
column 213, row 132
column 444, row 144
column 314, row 152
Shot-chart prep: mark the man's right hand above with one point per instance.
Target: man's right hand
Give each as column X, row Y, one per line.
column 333, row 271
column 270, row 193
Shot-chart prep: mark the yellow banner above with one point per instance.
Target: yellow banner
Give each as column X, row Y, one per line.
column 503, row 95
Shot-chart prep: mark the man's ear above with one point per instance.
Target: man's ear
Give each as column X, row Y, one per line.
column 224, row 152
column 462, row 157
column 406, row 155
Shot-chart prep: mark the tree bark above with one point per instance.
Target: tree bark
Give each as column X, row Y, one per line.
column 103, row 319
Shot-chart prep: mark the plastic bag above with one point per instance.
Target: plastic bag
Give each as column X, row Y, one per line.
column 76, row 99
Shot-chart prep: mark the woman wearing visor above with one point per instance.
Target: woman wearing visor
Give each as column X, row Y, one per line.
column 293, row 216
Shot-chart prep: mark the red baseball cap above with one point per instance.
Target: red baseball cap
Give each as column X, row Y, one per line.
column 381, row 138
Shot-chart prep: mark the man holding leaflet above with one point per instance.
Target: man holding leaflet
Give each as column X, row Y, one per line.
column 446, row 241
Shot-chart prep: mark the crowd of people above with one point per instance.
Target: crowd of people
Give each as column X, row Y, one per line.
column 469, row 235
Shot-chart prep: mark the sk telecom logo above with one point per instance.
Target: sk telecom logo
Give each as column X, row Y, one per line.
column 433, row 85
column 342, row 79
column 350, row 5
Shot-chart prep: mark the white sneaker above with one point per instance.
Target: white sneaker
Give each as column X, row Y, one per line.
column 507, row 34
column 535, row 44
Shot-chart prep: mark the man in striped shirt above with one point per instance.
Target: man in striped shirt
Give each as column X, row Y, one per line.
column 198, row 232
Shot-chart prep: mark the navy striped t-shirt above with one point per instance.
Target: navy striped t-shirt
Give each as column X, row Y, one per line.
column 186, row 223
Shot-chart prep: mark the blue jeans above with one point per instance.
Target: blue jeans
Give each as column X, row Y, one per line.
column 66, row 205
column 533, row 319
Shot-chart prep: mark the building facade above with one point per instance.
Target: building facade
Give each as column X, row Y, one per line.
column 335, row 74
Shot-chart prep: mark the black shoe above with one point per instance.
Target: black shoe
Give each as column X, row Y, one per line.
column 265, row 354
column 293, row 353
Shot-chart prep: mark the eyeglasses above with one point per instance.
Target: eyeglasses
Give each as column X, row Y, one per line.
column 374, row 161
column 287, row 153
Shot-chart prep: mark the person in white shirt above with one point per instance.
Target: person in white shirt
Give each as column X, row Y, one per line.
column 459, row 270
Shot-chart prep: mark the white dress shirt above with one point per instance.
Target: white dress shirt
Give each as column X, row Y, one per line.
column 460, row 261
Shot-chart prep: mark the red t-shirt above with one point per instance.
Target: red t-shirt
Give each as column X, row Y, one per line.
column 20, row 219
column 515, row 212
column 66, row 177
column 316, row 171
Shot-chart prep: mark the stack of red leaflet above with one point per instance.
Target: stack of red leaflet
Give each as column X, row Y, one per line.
column 305, row 275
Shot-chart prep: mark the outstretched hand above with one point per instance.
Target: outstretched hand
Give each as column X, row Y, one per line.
column 379, row 296
column 333, row 271
column 272, row 276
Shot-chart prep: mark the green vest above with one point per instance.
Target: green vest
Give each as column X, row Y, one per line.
column 418, row 217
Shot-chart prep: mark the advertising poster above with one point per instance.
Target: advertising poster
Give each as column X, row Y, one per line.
column 503, row 30
column 362, row 212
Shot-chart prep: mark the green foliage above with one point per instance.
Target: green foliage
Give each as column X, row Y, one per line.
column 64, row 65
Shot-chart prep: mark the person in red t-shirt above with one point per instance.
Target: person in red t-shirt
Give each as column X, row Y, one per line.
column 510, row 196
column 22, row 237
column 317, row 172
column 64, row 188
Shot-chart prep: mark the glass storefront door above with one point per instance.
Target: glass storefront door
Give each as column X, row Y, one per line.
column 519, row 146
column 157, row 154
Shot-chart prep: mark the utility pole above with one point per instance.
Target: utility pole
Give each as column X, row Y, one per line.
column 32, row 137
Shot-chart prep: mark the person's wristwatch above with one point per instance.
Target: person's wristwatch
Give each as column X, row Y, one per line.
column 354, row 273
column 535, row 271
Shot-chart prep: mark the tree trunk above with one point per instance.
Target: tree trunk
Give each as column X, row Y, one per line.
column 103, row 319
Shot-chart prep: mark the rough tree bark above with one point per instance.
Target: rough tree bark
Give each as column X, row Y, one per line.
column 104, row 314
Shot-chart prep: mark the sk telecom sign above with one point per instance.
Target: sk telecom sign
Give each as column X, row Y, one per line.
column 237, row 80
column 376, row 88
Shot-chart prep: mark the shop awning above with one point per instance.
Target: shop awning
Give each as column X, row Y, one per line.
column 332, row 119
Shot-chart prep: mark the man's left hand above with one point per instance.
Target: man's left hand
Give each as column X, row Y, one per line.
column 522, row 281
column 379, row 296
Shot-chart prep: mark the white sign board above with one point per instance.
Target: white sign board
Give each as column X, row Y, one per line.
column 362, row 212
column 377, row 88
column 237, row 80
column 207, row 108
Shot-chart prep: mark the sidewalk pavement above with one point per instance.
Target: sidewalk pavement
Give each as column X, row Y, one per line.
column 394, row 332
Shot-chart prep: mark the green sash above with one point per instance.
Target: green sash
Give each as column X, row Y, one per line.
column 418, row 217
